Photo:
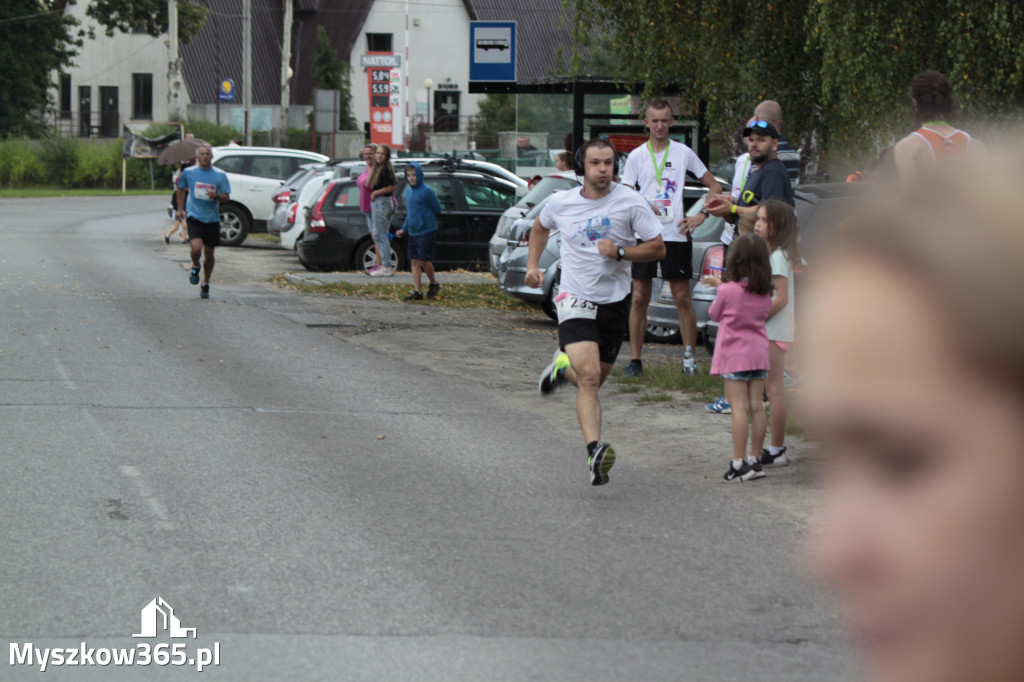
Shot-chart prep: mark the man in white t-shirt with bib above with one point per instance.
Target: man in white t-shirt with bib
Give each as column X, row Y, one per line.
column 601, row 224
column 657, row 169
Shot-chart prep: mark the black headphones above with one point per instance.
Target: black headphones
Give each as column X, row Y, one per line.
column 577, row 160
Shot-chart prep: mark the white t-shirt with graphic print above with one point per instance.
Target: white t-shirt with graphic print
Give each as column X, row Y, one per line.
column 640, row 171
column 621, row 215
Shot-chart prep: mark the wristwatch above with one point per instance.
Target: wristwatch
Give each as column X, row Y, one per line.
column 622, row 253
column 705, row 212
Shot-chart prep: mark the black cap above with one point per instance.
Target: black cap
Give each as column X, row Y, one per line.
column 761, row 128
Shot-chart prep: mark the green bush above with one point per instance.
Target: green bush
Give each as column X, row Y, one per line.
column 19, row 164
column 59, row 156
column 99, row 165
column 216, row 135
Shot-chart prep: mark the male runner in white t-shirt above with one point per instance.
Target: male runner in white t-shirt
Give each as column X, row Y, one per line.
column 600, row 224
column 658, row 169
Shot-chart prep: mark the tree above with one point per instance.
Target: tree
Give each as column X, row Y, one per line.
column 126, row 15
column 331, row 72
column 839, row 68
column 36, row 39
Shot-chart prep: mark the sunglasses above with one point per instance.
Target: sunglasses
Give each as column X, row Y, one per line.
column 759, row 124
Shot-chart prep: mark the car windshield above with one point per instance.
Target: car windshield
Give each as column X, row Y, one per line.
column 544, row 187
column 297, row 177
column 535, row 211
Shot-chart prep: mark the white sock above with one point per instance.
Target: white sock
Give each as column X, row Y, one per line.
column 772, row 450
column 736, row 464
column 751, row 461
column 689, row 349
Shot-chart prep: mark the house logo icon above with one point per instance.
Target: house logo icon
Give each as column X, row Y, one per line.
column 158, row 616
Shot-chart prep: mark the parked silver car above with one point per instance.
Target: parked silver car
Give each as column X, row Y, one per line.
column 708, row 253
column 819, row 208
column 513, row 259
column 552, row 182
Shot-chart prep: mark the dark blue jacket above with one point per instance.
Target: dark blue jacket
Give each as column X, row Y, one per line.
column 421, row 205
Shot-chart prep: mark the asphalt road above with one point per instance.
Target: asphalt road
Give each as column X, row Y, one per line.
column 323, row 509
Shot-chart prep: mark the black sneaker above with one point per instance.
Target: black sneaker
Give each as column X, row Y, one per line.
column 432, row 290
column 767, row 459
column 167, row 239
column 204, row 291
column 744, row 473
column 758, row 472
column 553, row 376
column 413, row 296
column 634, row 369
column 600, row 463
column 193, row 276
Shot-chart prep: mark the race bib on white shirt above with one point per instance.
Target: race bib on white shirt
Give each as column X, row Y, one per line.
column 662, row 206
column 204, row 190
column 574, row 308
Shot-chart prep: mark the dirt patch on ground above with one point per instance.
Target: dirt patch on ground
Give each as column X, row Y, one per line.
column 506, row 351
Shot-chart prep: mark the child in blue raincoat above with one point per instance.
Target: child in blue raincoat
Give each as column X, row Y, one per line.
column 421, row 206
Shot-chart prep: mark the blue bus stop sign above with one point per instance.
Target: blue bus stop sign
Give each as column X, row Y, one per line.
column 492, row 51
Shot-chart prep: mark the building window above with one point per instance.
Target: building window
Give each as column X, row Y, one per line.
column 65, row 95
column 142, row 96
column 378, row 42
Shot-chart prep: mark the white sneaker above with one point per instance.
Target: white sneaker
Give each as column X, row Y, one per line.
column 689, row 364
column 377, row 272
column 386, row 272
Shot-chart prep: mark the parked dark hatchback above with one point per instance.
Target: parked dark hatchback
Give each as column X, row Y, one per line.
column 338, row 238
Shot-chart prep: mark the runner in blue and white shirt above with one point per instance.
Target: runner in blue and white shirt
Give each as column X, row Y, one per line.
column 201, row 190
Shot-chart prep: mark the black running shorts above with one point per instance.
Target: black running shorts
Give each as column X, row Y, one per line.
column 677, row 263
column 208, row 232
column 607, row 330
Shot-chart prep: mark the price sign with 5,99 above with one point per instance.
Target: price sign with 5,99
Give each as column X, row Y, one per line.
column 380, row 87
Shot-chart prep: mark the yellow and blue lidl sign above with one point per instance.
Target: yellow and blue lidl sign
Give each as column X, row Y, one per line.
column 227, row 90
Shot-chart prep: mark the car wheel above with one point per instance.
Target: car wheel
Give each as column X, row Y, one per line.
column 366, row 255
column 658, row 334
column 234, row 225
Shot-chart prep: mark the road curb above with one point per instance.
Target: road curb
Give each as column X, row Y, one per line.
column 300, row 280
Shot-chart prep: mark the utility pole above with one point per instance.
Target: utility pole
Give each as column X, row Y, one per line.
column 286, row 70
column 174, row 64
column 247, row 68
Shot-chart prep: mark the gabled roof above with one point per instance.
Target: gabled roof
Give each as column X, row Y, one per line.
column 215, row 52
column 540, row 33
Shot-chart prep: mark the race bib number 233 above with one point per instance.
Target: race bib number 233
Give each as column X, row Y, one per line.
column 574, row 308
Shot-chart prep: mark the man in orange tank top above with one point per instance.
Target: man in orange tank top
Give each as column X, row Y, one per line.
column 919, row 154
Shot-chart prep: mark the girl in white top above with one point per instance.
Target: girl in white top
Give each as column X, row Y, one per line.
column 776, row 224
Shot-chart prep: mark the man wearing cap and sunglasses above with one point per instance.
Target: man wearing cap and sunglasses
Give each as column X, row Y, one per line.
column 770, row 179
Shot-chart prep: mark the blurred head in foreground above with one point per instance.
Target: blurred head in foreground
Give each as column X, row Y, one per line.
column 914, row 384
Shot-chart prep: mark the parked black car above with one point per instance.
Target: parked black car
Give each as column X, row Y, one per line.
column 337, row 237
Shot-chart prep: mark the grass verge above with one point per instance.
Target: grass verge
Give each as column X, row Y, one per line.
column 660, row 382
column 451, row 295
column 43, row 192
column 666, row 379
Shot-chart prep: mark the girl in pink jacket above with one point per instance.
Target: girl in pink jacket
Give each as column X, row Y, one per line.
column 741, row 348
